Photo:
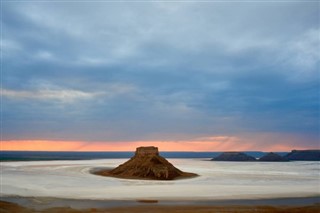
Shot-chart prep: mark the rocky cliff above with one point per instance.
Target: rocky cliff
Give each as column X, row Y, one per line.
column 147, row 164
column 234, row 156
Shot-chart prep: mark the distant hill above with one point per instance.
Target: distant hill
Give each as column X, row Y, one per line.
column 234, row 156
column 303, row 155
column 272, row 157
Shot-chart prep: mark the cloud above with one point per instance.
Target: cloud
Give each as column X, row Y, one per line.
column 9, row 48
column 303, row 55
column 48, row 92
column 159, row 70
column 44, row 55
column 60, row 95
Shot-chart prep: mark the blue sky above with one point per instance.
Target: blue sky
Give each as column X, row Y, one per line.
column 128, row 71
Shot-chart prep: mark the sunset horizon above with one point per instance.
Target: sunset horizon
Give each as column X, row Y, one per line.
column 216, row 144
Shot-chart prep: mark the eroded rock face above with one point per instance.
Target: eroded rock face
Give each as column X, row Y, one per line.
column 234, row 156
column 146, row 151
column 147, row 164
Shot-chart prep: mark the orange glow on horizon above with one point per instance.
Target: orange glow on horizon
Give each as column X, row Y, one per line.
column 44, row 145
column 217, row 143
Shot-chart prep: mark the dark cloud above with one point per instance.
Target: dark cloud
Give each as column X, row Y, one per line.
column 116, row 71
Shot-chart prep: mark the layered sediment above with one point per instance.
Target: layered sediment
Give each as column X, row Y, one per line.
column 147, row 164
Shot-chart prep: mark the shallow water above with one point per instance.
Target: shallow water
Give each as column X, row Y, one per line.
column 217, row 180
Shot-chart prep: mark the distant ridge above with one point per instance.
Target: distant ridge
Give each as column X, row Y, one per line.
column 272, row 157
column 304, row 155
column 294, row 155
column 234, row 156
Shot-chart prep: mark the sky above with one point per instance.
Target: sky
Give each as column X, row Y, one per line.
column 180, row 75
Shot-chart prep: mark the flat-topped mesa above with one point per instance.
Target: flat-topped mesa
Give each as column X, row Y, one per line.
column 146, row 151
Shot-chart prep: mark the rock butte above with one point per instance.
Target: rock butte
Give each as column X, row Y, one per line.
column 147, row 164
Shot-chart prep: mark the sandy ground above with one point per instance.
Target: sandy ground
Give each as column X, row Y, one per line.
column 216, row 180
column 6, row 207
column 69, row 186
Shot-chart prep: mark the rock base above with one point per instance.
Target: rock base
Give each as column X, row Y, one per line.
column 147, row 164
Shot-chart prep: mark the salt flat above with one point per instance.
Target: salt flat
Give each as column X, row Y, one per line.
column 217, row 180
